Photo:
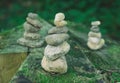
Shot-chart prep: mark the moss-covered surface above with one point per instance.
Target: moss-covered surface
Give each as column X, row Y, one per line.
column 80, row 70
column 85, row 65
column 115, row 77
column 9, row 37
column 11, row 54
column 106, row 59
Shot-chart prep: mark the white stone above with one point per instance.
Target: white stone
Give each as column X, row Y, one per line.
column 59, row 17
column 94, row 34
column 59, row 20
column 56, row 39
column 56, row 66
column 54, row 52
column 96, row 46
column 95, row 23
column 94, row 40
column 60, row 24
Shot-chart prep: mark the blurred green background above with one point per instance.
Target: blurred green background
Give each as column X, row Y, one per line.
column 14, row 12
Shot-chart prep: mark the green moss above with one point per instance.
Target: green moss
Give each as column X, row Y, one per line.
column 115, row 77
column 5, row 36
column 78, row 27
column 69, row 77
column 8, row 32
column 66, row 78
column 37, row 74
column 114, row 50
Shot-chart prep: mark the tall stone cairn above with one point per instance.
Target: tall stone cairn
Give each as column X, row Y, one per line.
column 54, row 60
column 32, row 27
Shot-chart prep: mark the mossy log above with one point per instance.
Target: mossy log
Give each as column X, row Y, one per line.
column 84, row 65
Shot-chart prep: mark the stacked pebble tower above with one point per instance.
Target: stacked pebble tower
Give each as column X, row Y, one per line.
column 54, row 60
column 31, row 35
column 95, row 41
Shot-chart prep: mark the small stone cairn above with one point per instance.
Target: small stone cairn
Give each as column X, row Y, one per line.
column 54, row 60
column 32, row 27
column 94, row 37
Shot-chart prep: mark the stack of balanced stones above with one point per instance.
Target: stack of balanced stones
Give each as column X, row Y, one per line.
column 54, row 60
column 31, row 35
column 95, row 41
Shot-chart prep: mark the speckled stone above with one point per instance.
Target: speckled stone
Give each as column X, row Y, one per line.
column 56, row 30
column 56, row 66
column 95, row 45
column 29, row 28
column 30, row 43
column 56, row 39
column 94, row 34
column 33, row 15
column 36, row 23
column 94, row 28
column 31, row 36
column 54, row 52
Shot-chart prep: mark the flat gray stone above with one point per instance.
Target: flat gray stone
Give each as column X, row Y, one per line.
column 95, row 29
column 33, row 15
column 29, row 28
column 54, row 52
column 30, row 43
column 56, row 39
column 35, row 22
column 31, row 36
column 58, row 30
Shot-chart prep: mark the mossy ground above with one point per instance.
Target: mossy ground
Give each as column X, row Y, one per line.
column 78, row 71
column 79, row 53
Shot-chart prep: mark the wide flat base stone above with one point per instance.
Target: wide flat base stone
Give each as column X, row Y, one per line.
column 57, row 66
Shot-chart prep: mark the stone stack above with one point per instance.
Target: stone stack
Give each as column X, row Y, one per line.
column 31, row 35
column 95, row 41
column 54, row 60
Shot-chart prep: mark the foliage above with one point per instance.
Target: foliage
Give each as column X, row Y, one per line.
column 13, row 12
